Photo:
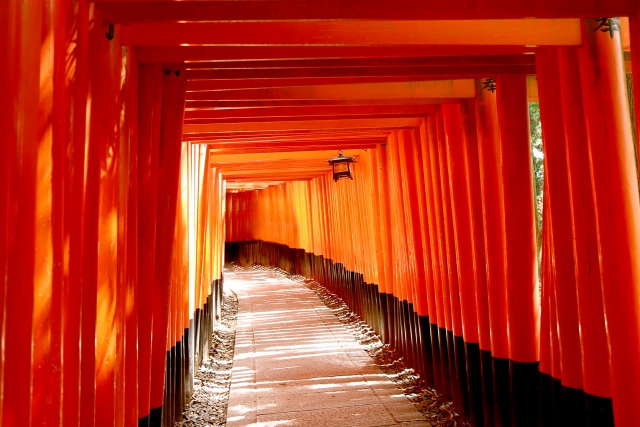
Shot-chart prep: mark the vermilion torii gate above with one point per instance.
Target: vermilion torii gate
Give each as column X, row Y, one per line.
column 128, row 128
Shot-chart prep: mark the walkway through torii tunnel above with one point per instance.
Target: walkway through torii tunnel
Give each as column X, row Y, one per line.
column 144, row 142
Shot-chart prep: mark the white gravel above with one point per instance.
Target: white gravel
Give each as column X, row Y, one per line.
column 208, row 405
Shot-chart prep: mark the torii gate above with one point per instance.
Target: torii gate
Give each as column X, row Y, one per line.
column 128, row 128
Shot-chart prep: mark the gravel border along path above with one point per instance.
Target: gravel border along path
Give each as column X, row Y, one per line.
column 208, row 405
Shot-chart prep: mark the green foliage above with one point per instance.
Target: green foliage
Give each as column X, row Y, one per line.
column 538, row 166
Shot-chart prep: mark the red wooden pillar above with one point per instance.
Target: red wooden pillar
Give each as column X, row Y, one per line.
column 456, row 147
column 593, row 333
column 385, row 219
column 634, row 29
column 77, row 29
column 173, row 99
column 130, row 145
column 493, row 225
column 105, row 60
column 617, row 208
column 5, row 115
column 381, row 241
column 545, row 414
column 45, row 363
column 477, row 354
column 428, row 314
column 429, row 230
column 520, row 247
column 564, row 280
column 21, row 32
column 450, row 288
column 398, row 246
column 444, row 316
column 149, row 119
column 5, row 107
column 409, row 151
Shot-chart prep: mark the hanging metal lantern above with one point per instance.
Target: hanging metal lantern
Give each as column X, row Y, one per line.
column 341, row 167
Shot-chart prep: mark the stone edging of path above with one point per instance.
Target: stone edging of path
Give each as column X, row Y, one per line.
column 208, row 405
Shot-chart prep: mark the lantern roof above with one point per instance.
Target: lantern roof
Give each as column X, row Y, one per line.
column 342, row 158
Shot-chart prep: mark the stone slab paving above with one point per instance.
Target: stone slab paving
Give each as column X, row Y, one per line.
column 295, row 364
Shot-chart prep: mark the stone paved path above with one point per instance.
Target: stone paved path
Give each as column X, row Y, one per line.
column 296, row 365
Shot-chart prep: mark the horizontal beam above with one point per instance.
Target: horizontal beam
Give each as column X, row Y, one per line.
column 253, row 104
column 224, row 159
column 305, row 118
column 310, row 111
column 146, row 11
column 294, row 138
column 219, row 85
column 360, row 62
column 291, row 134
column 334, row 147
column 173, row 54
column 454, row 71
column 522, row 32
column 303, row 125
column 463, row 88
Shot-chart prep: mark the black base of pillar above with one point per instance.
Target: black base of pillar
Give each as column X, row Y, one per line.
column 462, row 384
column 546, row 400
column 155, row 417
column 143, row 422
column 524, row 393
column 427, row 350
column 599, row 411
column 444, row 363
column 502, row 392
column 474, row 381
column 488, row 405
column 437, row 362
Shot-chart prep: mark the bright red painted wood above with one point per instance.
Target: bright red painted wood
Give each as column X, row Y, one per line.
column 617, row 209
column 427, row 72
column 493, row 220
column 593, row 334
column 461, row 221
column 556, row 173
column 149, row 120
column 173, row 98
column 474, row 204
column 523, row 307
column 139, row 11
column 22, row 53
column 173, row 54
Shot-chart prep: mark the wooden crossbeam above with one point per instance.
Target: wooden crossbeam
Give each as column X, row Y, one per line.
column 258, row 104
column 168, row 11
column 310, row 111
column 174, row 54
column 235, row 84
column 296, row 118
column 453, row 71
column 523, row 32
column 423, row 61
column 463, row 88
column 385, row 123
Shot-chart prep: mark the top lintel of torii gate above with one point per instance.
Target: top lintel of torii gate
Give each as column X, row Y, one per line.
column 124, row 11
column 506, row 32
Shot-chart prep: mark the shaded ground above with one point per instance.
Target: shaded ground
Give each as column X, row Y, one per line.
column 208, row 406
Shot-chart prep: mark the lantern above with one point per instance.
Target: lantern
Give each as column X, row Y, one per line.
column 341, row 168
